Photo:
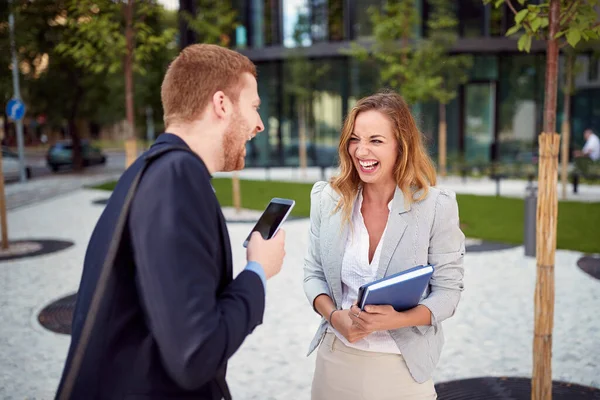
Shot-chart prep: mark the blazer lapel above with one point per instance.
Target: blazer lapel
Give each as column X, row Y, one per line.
column 395, row 230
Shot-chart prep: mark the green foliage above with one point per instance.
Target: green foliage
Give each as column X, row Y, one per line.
column 578, row 20
column 421, row 69
column 214, row 23
column 452, row 70
column 95, row 38
column 54, row 85
column 392, row 49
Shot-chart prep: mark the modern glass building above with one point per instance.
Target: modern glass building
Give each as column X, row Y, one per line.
column 496, row 116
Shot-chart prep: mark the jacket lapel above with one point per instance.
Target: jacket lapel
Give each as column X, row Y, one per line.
column 395, row 230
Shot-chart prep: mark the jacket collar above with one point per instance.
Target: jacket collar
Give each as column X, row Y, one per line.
column 174, row 140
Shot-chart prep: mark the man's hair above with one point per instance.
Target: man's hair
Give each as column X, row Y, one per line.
column 196, row 74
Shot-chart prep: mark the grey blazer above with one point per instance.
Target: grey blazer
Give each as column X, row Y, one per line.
column 423, row 232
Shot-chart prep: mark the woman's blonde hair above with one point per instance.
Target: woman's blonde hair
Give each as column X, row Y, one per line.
column 414, row 169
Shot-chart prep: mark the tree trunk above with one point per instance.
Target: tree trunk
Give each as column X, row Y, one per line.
column 566, row 125
column 130, row 142
column 73, row 131
column 442, row 140
column 547, row 212
column 302, row 137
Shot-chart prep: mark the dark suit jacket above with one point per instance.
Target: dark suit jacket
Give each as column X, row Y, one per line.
column 172, row 314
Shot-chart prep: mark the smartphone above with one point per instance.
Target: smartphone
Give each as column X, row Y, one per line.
column 272, row 218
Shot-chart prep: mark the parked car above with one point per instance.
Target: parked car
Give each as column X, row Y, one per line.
column 10, row 166
column 60, row 155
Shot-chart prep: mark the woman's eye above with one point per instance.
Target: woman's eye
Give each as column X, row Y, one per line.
column 377, row 141
column 353, row 139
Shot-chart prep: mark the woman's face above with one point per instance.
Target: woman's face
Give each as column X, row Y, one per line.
column 373, row 147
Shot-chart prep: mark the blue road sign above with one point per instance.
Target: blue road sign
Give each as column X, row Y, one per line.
column 15, row 109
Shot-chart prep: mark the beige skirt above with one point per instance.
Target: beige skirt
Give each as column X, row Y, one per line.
column 345, row 373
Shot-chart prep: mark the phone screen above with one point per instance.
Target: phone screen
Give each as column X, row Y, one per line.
column 270, row 220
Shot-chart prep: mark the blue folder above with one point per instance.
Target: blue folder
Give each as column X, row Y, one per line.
column 403, row 290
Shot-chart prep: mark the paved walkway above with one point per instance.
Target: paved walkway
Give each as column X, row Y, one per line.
column 491, row 333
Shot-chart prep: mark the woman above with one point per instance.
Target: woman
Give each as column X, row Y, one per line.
column 380, row 216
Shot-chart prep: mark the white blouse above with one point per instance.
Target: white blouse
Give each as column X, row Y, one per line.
column 357, row 271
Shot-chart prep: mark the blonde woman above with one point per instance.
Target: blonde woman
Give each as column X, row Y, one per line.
column 380, row 216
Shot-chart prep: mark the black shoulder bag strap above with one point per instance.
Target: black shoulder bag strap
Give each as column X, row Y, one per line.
column 105, row 273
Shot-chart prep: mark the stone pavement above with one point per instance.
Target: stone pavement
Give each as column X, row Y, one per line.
column 46, row 187
column 491, row 333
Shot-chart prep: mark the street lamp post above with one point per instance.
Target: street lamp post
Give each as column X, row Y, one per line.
column 17, row 95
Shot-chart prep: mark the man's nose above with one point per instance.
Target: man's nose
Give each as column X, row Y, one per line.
column 260, row 127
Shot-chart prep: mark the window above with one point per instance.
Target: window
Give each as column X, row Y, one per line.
column 471, row 14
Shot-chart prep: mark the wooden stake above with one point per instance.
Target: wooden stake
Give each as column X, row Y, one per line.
column 302, row 138
column 130, row 151
column 3, row 208
column 547, row 213
column 237, row 197
column 442, row 142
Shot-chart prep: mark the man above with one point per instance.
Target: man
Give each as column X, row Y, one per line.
column 591, row 148
column 172, row 314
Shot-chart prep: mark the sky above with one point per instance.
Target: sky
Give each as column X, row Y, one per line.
column 170, row 4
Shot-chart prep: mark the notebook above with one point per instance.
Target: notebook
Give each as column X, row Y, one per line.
column 403, row 290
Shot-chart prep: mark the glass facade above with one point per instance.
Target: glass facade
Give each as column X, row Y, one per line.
column 496, row 115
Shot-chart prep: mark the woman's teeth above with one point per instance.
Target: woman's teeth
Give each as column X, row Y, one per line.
column 368, row 165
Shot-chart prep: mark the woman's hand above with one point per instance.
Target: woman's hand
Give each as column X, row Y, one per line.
column 377, row 318
column 341, row 322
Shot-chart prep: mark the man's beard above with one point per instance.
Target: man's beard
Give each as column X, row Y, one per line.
column 234, row 144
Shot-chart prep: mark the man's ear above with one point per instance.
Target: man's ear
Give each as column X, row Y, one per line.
column 221, row 104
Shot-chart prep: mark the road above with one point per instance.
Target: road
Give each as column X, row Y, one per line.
column 36, row 161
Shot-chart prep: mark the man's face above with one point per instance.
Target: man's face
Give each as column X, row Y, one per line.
column 587, row 134
column 244, row 125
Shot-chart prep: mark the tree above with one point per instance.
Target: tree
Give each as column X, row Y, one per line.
column 421, row 69
column 109, row 36
column 401, row 64
column 452, row 69
column 214, row 22
column 50, row 83
column 560, row 23
column 303, row 75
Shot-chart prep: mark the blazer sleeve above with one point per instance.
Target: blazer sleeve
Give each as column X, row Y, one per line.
column 446, row 253
column 315, row 283
column 175, row 232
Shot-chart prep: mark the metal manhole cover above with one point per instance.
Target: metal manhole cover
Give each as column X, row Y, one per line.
column 509, row 388
column 590, row 265
column 479, row 246
column 57, row 316
column 32, row 247
column 100, row 202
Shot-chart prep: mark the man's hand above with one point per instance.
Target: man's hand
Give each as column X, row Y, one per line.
column 377, row 318
column 343, row 324
column 268, row 253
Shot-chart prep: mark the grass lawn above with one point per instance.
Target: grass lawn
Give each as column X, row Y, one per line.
column 490, row 218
